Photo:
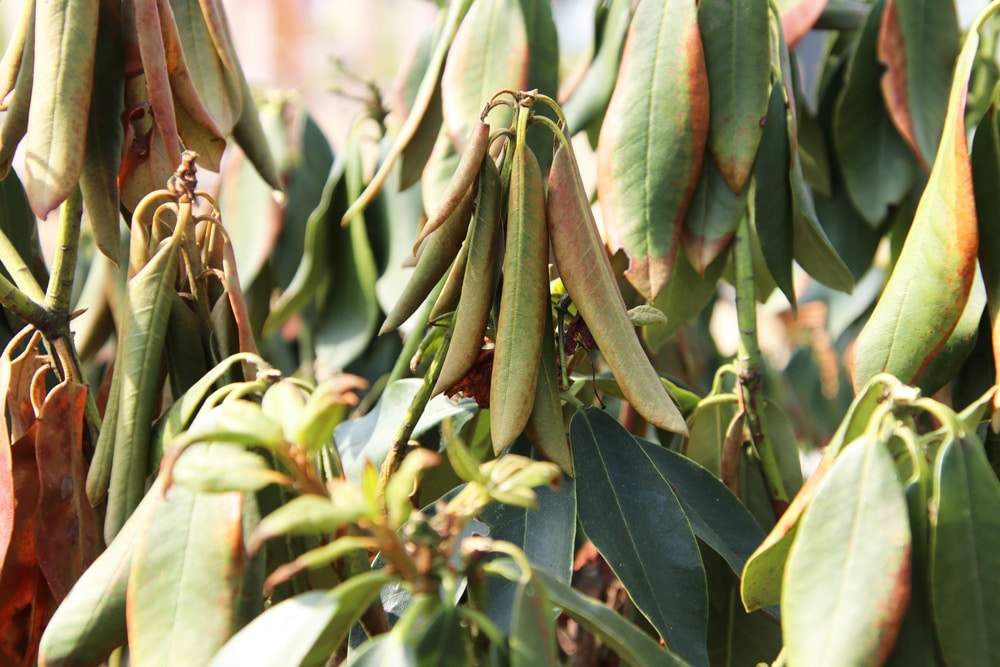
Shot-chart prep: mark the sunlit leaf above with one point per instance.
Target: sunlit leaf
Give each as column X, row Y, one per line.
column 924, row 297
column 653, row 140
column 856, row 533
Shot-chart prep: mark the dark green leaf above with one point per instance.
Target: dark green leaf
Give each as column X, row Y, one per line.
column 533, row 629
column 877, row 165
column 965, row 543
column 635, row 520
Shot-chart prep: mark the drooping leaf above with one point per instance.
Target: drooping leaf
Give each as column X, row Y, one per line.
column 305, row 630
column 90, row 623
column 589, row 99
column 877, row 165
column 67, row 535
column 856, row 533
column 57, row 120
column 653, row 140
column 986, row 179
column 252, row 217
column 685, row 296
column 543, row 71
column 798, row 17
column 711, row 220
column 348, row 311
column 772, row 202
column 734, row 35
column 652, row 551
column 489, row 53
column 186, row 577
column 147, row 310
column 918, row 42
column 926, row 293
column 105, row 137
column 965, row 541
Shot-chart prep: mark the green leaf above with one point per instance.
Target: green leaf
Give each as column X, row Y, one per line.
column 105, row 136
column 221, row 467
column 653, row 140
column 684, row 298
column 645, row 537
column 589, row 99
column 148, row 300
column 533, row 629
column 251, row 215
column 442, row 640
column 847, row 580
column 348, row 311
column 772, row 201
column 187, row 571
column 547, row 535
column 716, row 516
column 489, row 53
column 708, row 427
column 926, row 293
column 66, row 32
column 965, row 543
column 986, row 181
column 960, row 343
column 303, row 631
column 308, row 515
column 735, row 39
column 877, row 166
column 631, row 644
column 543, row 71
column 710, row 223
column 918, row 42
column 90, row 622
column 239, row 421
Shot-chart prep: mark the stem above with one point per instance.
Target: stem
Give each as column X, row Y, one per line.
column 748, row 362
column 417, row 406
column 57, row 297
column 18, row 269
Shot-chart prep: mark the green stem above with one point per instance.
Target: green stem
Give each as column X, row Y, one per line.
column 417, row 406
column 60, row 290
column 18, row 303
column 18, row 269
column 748, row 362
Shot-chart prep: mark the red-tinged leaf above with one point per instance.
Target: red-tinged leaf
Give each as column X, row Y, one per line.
column 67, row 538
column 798, row 17
column 489, row 53
column 185, row 581
column 27, row 603
column 154, row 64
column 877, row 165
column 926, row 294
column 146, row 164
column 711, row 219
column 735, row 37
column 653, row 140
column 198, row 85
column 847, row 580
column 57, row 121
column 760, row 585
column 918, row 43
column 237, row 303
column 198, row 77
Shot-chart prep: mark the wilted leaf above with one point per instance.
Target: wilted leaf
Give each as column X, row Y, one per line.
column 653, row 140
column 929, row 286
